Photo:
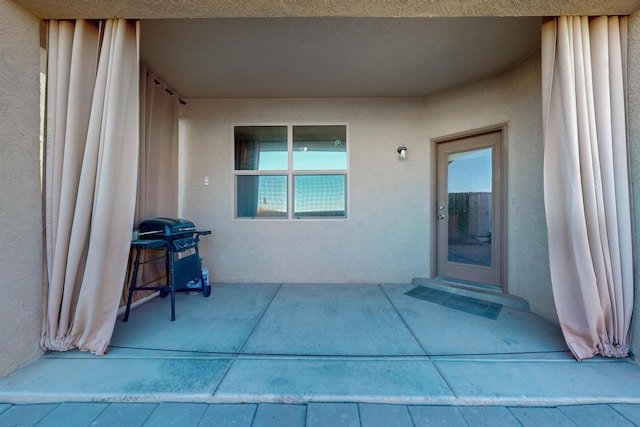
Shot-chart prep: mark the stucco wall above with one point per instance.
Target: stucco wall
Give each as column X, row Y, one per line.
column 384, row 238
column 20, row 213
column 514, row 99
column 387, row 237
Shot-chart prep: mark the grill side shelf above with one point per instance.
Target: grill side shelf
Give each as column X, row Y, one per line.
column 148, row 243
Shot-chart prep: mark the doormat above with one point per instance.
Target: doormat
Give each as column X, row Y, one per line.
column 470, row 305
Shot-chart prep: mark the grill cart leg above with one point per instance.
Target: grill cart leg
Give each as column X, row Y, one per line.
column 173, row 304
column 132, row 284
column 172, row 276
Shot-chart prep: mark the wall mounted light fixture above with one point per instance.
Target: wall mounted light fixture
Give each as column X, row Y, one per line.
column 402, row 150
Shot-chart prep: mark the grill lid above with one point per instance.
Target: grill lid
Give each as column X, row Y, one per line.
column 158, row 227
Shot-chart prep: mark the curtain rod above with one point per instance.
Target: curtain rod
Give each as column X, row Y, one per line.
column 169, row 91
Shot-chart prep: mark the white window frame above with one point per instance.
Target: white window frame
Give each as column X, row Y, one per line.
column 290, row 173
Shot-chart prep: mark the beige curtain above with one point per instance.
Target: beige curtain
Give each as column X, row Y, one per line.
column 90, row 178
column 586, row 182
column 158, row 163
column 157, row 169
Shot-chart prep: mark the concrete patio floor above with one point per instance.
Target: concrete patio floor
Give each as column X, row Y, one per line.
column 304, row 346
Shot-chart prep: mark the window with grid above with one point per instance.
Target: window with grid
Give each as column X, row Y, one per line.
column 291, row 172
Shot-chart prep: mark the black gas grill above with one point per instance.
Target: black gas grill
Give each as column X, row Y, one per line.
column 178, row 238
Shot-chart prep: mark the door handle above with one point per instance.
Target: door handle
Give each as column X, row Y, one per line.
column 441, row 216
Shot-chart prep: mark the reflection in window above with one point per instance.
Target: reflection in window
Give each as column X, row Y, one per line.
column 470, row 171
column 319, row 147
column 290, row 171
column 319, row 195
column 261, row 148
column 469, row 184
column 261, row 196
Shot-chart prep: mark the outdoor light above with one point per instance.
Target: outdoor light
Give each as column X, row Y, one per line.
column 402, row 150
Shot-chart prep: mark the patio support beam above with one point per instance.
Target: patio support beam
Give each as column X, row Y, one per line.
column 152, row 9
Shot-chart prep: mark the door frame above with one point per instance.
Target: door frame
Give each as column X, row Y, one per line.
column 502, row 127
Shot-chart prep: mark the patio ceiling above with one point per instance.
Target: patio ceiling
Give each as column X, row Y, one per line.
column 332, row 57
column 329, row 48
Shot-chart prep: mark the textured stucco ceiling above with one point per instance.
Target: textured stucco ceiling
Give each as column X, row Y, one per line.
column 332, row 57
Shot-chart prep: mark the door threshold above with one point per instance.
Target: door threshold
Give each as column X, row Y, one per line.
column 475, row 290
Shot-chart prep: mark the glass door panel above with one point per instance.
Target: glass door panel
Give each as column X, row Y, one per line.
column 469, row 187
column 468, row 218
